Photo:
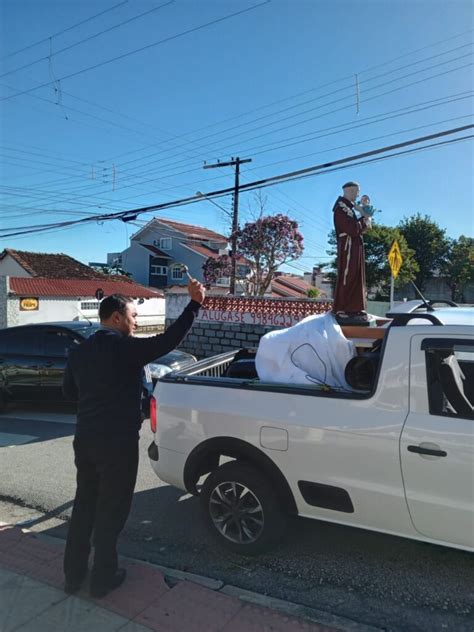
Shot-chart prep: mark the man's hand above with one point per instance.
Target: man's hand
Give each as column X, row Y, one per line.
column 196, row 291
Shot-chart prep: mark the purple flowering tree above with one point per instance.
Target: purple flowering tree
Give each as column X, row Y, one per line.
column 215, row 268
column 268, row 243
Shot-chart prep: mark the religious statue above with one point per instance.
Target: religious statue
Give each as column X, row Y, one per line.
column 350, row 294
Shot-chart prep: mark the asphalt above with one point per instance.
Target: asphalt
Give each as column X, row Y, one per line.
column 383, row 581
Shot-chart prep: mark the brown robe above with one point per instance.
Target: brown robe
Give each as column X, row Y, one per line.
column 350, row 291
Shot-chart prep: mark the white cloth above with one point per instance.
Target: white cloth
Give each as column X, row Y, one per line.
column 314, row 351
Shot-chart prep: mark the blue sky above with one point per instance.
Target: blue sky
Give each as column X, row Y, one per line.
column 275, row 83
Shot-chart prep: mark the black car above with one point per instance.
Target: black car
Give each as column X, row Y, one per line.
column 33, row 359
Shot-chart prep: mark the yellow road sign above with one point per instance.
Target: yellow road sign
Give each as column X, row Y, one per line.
column 395, row 259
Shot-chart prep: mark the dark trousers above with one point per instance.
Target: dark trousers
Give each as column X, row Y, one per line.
column 106, row 476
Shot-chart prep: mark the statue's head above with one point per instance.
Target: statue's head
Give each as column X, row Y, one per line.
column 351, row 191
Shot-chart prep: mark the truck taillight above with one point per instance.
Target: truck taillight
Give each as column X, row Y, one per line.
column 153, row 414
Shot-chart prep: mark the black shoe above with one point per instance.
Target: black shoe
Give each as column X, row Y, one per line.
column 98, row 591
column 71, row 586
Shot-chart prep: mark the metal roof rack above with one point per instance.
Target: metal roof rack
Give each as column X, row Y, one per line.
column 409, row 310
column 400, row 319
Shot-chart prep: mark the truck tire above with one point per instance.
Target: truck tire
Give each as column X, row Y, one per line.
column 241, row 509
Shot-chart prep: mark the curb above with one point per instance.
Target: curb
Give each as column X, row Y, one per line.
column 320, row 617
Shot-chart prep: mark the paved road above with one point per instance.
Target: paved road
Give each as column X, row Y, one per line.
column 389, row 582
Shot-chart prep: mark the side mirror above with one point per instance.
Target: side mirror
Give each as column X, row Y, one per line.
column 141, row 301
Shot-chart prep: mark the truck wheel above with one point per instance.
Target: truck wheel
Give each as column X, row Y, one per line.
column 241, row 509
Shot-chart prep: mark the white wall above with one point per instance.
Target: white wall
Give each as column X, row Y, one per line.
column 151, row 312
column 175, row 303
column 49, row 310
column 9, row 267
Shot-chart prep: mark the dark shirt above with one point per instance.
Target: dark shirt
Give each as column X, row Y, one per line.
column 104, row 375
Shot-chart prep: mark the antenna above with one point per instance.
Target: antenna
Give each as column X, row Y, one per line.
column 425, row 302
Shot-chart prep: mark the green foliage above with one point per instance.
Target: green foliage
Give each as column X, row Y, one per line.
column 313, row 292
column 377, row 242
column 459, row 268
column 430, row 244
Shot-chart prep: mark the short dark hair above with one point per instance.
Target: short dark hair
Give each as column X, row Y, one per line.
column 113, row 303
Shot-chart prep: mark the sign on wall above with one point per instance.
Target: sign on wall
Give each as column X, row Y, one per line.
column 248, row 318
column 29, row 304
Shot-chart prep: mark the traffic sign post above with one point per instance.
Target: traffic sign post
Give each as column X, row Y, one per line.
column 395, row 261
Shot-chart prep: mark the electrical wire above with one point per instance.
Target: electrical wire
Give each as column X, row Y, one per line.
column 69, row 28
column 359, row 159
column 141, row 49
column 86, row 39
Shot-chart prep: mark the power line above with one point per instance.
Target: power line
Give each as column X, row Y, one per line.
column 141, row 49
column 350, row 97
column 69, row 28
column 134, row 131
column 86, row 39
column 268, row 105
column 131, row 215
column 244, row 148
column 198, row 182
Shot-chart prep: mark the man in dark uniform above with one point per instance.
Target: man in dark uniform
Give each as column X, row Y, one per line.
column 104, row 375
column 349, row 296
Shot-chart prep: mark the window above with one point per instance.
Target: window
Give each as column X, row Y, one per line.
column 89, row 305
column 21, row 342
column 177, row 274
column 450, row 377
column 158, row 270
column 165, row 243
column 223, row 280
column 58, row 343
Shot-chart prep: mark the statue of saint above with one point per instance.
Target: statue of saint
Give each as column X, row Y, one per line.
column 350, row 294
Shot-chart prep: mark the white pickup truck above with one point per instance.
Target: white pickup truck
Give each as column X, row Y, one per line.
column 395, row 454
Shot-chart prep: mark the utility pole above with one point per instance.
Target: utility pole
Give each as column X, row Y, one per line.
column 233, row 162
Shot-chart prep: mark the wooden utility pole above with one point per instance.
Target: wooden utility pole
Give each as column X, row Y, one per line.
column 233, row 162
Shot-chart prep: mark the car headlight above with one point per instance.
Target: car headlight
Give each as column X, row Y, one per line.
column 158, row 370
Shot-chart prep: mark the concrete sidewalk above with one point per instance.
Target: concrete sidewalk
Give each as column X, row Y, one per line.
column 32, row 599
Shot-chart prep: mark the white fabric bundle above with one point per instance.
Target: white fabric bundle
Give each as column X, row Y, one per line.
column 314, row 351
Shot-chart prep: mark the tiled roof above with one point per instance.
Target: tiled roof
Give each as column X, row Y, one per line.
column 290, row 286
column 193, row 231
column 202, row 250
column 51, row 266
column 208, row 252
column 84, row 288
column 156, row 251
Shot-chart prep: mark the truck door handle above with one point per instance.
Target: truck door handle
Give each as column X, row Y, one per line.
column 430, row 451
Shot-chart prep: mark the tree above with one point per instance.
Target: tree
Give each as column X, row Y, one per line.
column 377, row 242
column 111, row 270
column 430, row 244
column 459, row 268
column 313, row 292
column 215, row 268
column 269, row 242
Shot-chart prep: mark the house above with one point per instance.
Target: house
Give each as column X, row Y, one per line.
column 46, row 287
column 21, row 263
column 320, row 280
column 290, row 286
column 158, row 250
